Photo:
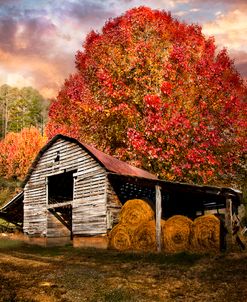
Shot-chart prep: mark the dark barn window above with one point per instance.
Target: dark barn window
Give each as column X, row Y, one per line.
column 60, row 187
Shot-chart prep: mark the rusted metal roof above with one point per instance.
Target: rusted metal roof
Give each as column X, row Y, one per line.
column 110, row 163
column 117, row 166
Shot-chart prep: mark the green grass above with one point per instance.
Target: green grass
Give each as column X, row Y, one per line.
column 5, row 224
column 48, row 251
column 6, row 244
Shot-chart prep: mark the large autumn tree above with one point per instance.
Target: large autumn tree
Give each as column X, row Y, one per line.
column 155, row 92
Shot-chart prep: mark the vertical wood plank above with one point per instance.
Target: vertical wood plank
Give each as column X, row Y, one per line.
column 228, row 223
column 46, row 201
column 108, row 213
column 46, row 190
column 158, row 217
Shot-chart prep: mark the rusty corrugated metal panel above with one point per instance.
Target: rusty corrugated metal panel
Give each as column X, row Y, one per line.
column 117, row 166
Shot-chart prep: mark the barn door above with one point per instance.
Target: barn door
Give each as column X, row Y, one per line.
column 60, row 194
column 59, row 223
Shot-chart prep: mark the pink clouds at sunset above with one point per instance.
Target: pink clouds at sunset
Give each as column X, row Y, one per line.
column 230, row 31
column 39, row 39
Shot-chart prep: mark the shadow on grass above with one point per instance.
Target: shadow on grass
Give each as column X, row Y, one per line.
column 184, row 259
column 101, row 256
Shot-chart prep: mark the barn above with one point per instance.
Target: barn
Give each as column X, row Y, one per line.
column 74, row 192
column 67, row 194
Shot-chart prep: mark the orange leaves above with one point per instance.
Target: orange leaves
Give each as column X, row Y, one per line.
column 18, row 150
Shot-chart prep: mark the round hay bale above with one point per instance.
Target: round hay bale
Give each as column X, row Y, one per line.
column 206, row 234
column 144, row 237
column 134, row 212
column 120, row 238
column 176, row 233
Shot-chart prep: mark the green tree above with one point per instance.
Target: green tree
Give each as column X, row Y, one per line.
column 20, row 108
column 7, row 96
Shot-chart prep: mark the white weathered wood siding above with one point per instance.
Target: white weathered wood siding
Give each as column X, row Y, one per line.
column 89, row 206
column 72, row 157
column 35, row 210
column 91, row 209
column 113, row 207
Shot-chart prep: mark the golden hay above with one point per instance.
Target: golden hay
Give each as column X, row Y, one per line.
column 120, row 238
column 144, row 237
column 134, row 212
column 162, row 223
column 176, row 233
column 206, row 234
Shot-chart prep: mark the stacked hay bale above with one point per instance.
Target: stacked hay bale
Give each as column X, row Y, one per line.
column 205, row 235
column 176, row 233
column 181, row 234
column 136, row 227
column 134, row 212
column 136, row 230
column 120, row 238
column 144, row 237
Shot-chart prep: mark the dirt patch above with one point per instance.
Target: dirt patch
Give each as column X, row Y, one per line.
column 31, row 273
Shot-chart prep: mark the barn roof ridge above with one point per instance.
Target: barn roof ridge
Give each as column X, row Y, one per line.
column 109, row 162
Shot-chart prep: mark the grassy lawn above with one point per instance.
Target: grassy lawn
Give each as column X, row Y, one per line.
column 32, row 273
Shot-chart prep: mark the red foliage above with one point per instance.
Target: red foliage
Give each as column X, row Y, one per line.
column 152, row 90
column 166, row 88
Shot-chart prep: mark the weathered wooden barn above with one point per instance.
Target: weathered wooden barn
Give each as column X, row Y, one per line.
column 74, row 192
column 67, row 193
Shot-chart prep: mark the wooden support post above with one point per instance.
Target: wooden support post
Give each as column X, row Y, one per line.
column 158, row 217
column 228, row 223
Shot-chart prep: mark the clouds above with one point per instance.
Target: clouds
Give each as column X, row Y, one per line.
column 87, row 9
column 38, row 39
column 29, row 51
column 223, row 3
column 230, row 31
column 38, row 42
column 26, row 36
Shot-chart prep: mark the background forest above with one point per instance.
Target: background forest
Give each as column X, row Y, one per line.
column 23, row 114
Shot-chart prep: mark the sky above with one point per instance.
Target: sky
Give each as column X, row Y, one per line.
column 39, row 38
